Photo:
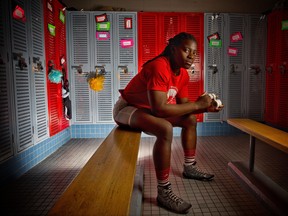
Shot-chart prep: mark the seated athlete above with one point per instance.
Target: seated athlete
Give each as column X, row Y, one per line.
column 145, row 104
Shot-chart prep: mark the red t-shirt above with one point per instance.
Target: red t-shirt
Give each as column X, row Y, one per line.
column 156, row 75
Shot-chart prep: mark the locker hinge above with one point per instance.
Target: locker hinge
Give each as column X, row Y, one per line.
column 12, row 138
column 32, row 129
column 29, row 60
column 8, row 57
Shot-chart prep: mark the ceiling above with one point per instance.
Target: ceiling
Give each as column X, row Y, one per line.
column 211, row 6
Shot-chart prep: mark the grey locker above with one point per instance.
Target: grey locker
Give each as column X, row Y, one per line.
column 214, row 62
column 79, row 62
column 256, row 48
column 21, row 80
column 6, row 143
column 91, row 54
column 240, row 80
column 37, row 69
column 28, row 79
column 235, row 68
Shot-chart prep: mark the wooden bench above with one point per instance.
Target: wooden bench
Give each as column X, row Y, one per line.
column 267, row 190
column 104, row 186
column 275, row 137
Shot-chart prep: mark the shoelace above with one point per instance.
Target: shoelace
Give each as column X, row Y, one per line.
column 199, row 172
column 174, row 197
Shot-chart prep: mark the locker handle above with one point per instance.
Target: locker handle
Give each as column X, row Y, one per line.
column 256, row 69
column 124, row 68
column 37, row 64
column 100, row 69
column 269, row 70
column 282, row 69
column 213, row 68
column 78, row 68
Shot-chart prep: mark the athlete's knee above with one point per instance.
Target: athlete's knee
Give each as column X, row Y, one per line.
column 190, row 121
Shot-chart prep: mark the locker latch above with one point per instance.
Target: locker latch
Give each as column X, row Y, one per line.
column 124, row 68
column 256, row 69
column 78, row 68
column 21, row 61
column 37, row 64
column 213, row 68
column 100, row 69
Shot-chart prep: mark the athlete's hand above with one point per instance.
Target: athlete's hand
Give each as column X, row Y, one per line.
column 215, row 109
column 204, row 101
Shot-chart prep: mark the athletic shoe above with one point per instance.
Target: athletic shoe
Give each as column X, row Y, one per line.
column 192, row 172
column 167, row 199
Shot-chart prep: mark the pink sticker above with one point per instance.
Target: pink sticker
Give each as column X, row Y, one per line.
column 236, row 37
column 126, row 43
column 232, row 51
column 19, row 13
column 102, row 35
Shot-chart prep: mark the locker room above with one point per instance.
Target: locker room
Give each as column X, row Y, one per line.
column 62, row 64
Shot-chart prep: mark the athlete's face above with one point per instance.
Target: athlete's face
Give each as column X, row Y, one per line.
column 185, row 54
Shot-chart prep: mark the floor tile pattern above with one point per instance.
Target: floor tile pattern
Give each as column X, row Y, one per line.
column 35, row 192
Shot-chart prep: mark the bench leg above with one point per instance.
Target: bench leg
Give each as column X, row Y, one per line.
column 252, row 154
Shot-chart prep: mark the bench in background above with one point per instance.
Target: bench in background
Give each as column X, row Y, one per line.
column 267, row 190
column 105, row 184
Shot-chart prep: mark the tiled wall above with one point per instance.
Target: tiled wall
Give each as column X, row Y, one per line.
column 22, row 162
column 101, row 131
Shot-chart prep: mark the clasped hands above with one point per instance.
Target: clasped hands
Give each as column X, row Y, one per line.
column 208, row 104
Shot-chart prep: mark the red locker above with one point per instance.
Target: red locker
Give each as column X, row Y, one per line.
column 276, row 108
column 156, row 28
column 55, row 46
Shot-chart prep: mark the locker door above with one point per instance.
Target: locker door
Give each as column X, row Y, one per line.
column 282, row 70
column 148, row 37
column 235, row 69
column 255, row 88
column 271, row 105
column 214, row 62
column 125, row 56
column 78, row 32
column 6, row 144
column 61, row 53
column 38, row 72
column 21, row 78
column 193, row 23
column 53, row 89
column 103, row 59
column 169, row 26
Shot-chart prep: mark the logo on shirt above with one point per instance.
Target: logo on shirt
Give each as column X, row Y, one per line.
column 171, row 94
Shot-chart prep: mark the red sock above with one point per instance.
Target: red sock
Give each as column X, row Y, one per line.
column 163, row 177
column 189, row 156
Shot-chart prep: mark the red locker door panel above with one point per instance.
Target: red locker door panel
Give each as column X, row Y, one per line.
column 271, row 106
column 61, row 53
column 147, row 37
column 282, row 119
column 194, row 24
column 53, row 47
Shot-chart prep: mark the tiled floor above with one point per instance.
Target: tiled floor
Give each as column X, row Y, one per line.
column 36, row 191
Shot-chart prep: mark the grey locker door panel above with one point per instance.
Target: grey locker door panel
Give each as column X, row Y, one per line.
column 214, row 61
column 39, row 77
column 103, row 60
column 236, row 69
column 6, row 149
column 79, row 46
column 22, row 77
column 256, row 67
column 126, row 57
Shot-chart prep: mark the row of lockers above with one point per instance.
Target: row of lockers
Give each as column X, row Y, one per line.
column 238, row 79
column 32, row 107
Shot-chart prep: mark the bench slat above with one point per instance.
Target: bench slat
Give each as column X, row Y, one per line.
column 270, row 135
column 104, row 186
